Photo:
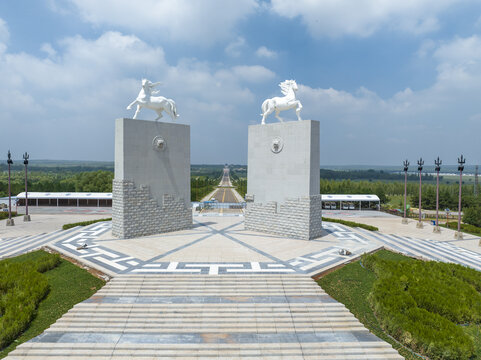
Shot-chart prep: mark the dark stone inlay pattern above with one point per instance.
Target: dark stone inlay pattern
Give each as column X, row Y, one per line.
column 206, row 338
column 207, row 299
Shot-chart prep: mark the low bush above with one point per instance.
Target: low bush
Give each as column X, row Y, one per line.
column 22, row 287
column 421, row 303
column 83, row 223
column 4, row 214
column 464, row 227
column 352, row 224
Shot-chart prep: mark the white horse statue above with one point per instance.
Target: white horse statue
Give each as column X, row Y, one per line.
column 278, row 104
column 156, row 103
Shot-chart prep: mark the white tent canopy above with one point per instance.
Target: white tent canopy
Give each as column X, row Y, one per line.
column 349, row 197
column 348, row 201
column 65, row 195
column 65, row 199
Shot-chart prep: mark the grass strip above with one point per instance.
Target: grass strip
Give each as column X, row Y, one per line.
column 352, row 284
column 351, row 224
column 68, row 284
column 84, row 223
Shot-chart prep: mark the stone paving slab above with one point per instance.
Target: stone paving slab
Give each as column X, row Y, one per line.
column 208, row 317
column 214, row 246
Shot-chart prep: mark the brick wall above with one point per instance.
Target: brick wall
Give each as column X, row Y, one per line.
column 135, row 213
column 297, row 218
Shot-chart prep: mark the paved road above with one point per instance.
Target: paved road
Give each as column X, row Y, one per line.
column 225, row 181
column 225, row 195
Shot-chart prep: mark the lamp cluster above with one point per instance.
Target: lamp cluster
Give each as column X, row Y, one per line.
column 437, row 163
column 26, row 217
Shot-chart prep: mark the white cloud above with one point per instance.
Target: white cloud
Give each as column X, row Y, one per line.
column 264, row 52
column 427, row 122
column 4, row 35
column 253, row 74
column 64, row 105
column 48, row 49
column 236, row 47
column 334, row 18
column 195, row 21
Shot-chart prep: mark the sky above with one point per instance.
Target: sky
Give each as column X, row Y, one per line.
column 387, row 79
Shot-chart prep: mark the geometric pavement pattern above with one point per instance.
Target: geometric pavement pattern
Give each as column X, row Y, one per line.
column 357, row 241
column 118, row 263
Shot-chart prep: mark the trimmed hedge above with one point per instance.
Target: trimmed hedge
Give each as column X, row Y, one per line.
column 83, row 223
column 4, row 214
column 420, row 304
column 351, row 224
column 465, row 227
column 22, row 287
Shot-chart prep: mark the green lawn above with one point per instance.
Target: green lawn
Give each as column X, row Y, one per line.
column 69, row 285
column 351, row 286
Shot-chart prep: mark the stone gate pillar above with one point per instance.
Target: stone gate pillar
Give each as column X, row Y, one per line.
column 283, row 179
column 151, row 187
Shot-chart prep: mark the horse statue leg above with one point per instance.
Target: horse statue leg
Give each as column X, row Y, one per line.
column 298, row 110
column 277, row 116
column 159, row 112
column 132, row 104
column 137, row 111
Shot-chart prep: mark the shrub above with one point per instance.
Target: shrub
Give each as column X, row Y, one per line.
column 420, row 303
column 22, row 287
column 4, row 214
column 351, row 224
column 83, row 223
column 465, row 227
column 472, row 216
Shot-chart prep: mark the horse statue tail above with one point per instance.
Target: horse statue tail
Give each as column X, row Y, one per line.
column 173, row 107
column 264, row 106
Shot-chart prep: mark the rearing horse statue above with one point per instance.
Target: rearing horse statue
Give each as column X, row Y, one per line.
column 156, row 103
column 278, row 104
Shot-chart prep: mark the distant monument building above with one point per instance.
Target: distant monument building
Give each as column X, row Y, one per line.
column 283, row 179
column 151, row 187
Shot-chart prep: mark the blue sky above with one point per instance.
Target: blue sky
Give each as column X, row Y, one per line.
column 387, row 79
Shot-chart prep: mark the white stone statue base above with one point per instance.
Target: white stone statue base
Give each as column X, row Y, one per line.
column 283, row 179
column 151, row 188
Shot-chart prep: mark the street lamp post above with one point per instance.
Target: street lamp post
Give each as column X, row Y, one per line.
column 26, row 217
column 438, row 163
column 406, row 167
column 459, row 235
column 420, row 168
column 10, row 221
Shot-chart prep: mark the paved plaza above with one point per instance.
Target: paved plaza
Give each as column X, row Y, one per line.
column 220, row 291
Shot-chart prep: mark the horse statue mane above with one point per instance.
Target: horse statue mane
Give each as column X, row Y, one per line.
column 156, row 103
column 278, row 104
column 286, row 85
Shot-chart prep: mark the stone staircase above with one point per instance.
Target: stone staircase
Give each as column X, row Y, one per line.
column 207, row 317
column 18, row 245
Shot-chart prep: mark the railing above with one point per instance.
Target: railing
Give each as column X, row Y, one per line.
column 218, row 205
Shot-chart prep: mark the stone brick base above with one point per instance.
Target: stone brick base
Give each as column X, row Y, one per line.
column 297, row 218
column 135, row 213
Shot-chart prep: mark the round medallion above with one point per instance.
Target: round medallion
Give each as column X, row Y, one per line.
column 277, row 144
column 158, row 143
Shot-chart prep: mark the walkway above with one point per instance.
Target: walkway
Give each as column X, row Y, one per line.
column 208, row 317
column 218, row 291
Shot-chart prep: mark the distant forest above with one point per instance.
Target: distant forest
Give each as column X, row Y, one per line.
column 371, row 175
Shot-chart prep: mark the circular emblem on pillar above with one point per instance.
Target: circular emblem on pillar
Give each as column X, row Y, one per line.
column 158, row 143
column 277, row 144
